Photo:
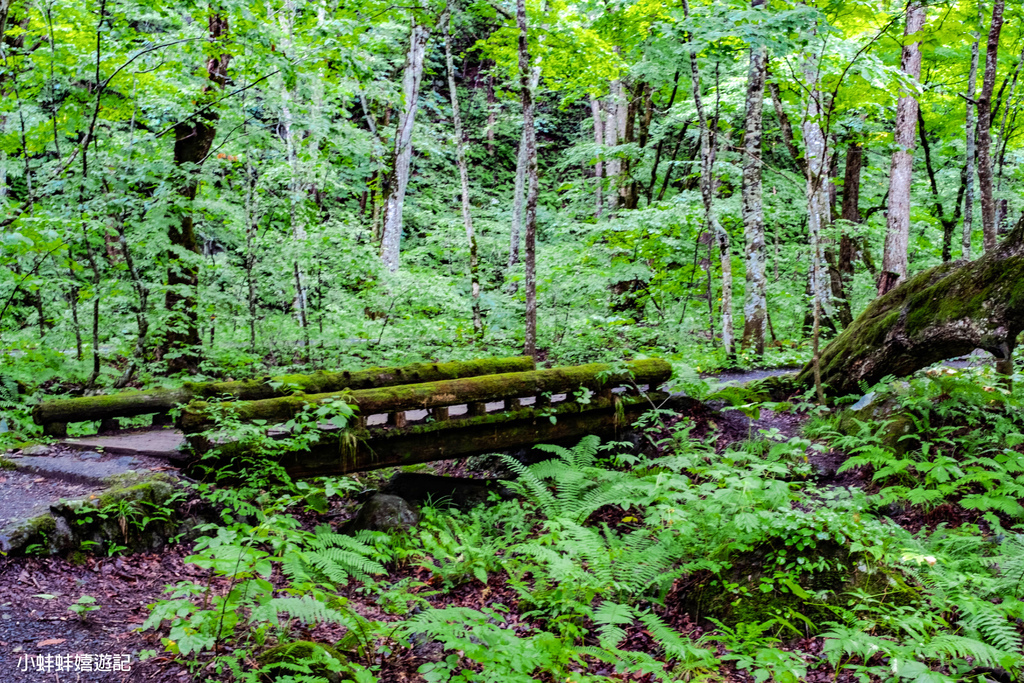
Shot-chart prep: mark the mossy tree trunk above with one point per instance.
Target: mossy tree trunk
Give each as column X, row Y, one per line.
column 944, row 312
column 193, row 139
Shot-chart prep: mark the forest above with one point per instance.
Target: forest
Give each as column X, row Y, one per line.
column 512, row 340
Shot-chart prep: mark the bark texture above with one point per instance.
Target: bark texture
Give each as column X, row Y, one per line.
column 707, row 190
column 755, row 304
column 460, row 156
column 944, row 312
column 595, row 112
column 897, row 237
column 985, row 170
column 412, row 76
column 532, row 182
column 192, row 141
column 970, row 126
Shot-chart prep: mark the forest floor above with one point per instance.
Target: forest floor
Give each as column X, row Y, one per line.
column 37, row 591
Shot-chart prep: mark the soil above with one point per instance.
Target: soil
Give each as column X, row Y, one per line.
column 35, row 593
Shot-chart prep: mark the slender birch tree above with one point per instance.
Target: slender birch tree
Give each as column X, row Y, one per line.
column 970, row 126
column 532, row 181
column 412, row 76
column 711, row 223
column 755, row 305
column 460, row 157
column 897, row 238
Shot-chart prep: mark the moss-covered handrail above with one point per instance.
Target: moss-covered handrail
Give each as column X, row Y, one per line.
column 199, row 415
column 131, row 403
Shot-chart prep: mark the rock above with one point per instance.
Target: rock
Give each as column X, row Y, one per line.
column 383, row 512
column 864, row 401
column 126, row 461
column 872, row 409
column 90, row 455
column 38, row 449
column 322, row 661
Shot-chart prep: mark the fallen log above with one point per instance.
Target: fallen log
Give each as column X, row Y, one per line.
column 54, row 415
column 200, row 415
column 356, row 450
column 944, row 312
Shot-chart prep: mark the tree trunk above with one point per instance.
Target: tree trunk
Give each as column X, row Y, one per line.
column 613, row 166
column 595, row 112
column 460, row 156
column 944, row 312
column 707, row 166
column 519, row 191
column 412, row 75
column 818, row 210
column 985, row 171
column 850, row 212
column 755, row 305
column 970, row 129
column 192, row 141
column 897, row 238
column 530, row 140
column 492, row 104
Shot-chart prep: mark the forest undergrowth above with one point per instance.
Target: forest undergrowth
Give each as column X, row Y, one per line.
column 694, row 557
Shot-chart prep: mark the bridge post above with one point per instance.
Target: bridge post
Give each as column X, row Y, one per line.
column 476, row 409
column 440, row 413
column 397, row 419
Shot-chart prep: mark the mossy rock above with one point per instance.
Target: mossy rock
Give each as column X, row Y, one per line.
column 302, row 658
column 894, row 424
column 6, row 464
column 748, row 603
column 383, row 512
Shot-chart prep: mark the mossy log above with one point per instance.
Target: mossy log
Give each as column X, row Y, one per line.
column 198, row 416
column 131, row 403
column 358, row 450
column 944, row 312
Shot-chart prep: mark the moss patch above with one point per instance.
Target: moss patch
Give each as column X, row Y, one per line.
column 302, row 657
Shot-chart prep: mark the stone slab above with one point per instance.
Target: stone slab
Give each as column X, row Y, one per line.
column 156, row 443
column 70, row 468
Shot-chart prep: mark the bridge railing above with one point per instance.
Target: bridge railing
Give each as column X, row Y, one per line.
column 597, row 398
column 54, row 416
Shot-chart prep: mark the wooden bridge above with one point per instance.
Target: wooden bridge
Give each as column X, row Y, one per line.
column 405, row 415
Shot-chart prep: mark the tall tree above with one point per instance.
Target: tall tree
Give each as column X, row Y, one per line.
column 985, row 170
column 193, row 139
column 707, row 190
column 519, row 190
column 595, row 112
column 970, row 126
column 818, row 207
column 398, row 180
column 460, row 157
column 532, row 181
column 755, row 305
column 897, row 238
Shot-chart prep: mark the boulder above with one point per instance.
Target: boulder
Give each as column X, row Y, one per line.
column 871, row 408
column 384, row 512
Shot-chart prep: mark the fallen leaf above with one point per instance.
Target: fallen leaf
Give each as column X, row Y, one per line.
column 38, row 480
column 51, row 641
column 44, row 596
